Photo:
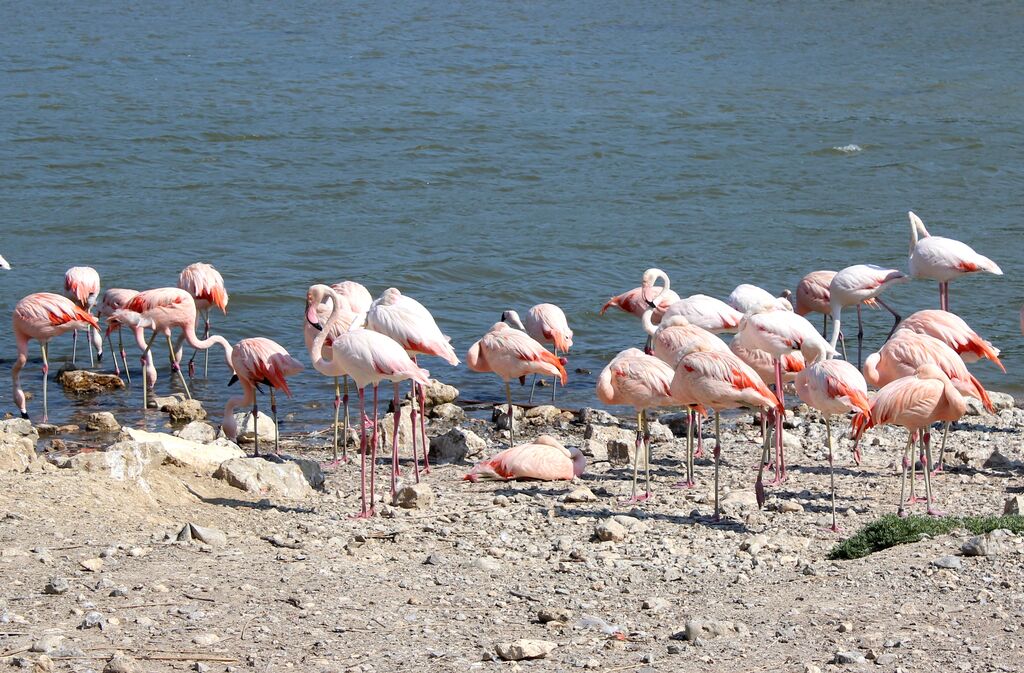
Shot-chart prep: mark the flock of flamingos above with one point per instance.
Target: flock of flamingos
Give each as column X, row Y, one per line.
column 920, row 370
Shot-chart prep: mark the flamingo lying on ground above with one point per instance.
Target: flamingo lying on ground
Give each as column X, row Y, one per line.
column 545, row 459
column 82, row 284
column 943, row 259
column 259, row 361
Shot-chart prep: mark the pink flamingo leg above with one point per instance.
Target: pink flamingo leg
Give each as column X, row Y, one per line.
column 700, row 435
column 413, row 415
column 780, row 464
column 362, row 455
column 394, row 446
column 423, row 428
column 373, row 457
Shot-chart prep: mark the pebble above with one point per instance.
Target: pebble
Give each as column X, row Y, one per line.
column 610, row 530
column 48, row 643
column 487, row 564
column 121, row 663
column 656, row 605
column 204, row 534
column 846, row 627
column 414, row 496
column 790, row 506
column 525, row 649
column 1014, row 505
column 581, row 494
column 92, row 620
column 981, row 545
column 56, row 586
column 206, row 639
column 93, row 565
column 545, row 615
column 947, row 562
column 102, row 421
column 435, row 559
column 851, row 657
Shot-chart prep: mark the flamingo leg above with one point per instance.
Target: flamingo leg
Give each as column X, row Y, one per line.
column 554, row 380
column 930, row 509
column 394, row 445
column 699, row 420
column 688, row 482
column 824, row 325
column 362, row 453
column 780, row 460
column 145, row 377
column 88, row 340
column 533, row 388
column 373, row 456
column 206, row 353
column 255, row 426
column 413, row 416
column 647, row 452
column 762, row 461
column 831, row 472
column 277, row 430
column 176, row 366
column 43, row 347
column 913, row 472
column 860, row 337
column 718, row 456
column 124, row 356
column 942, row 448
column 896, row 316
column 74, row 348
column 512, row 418
column 110, row 345
column 425, row 443
column 636, row 456
column 337, row 407
column 344, row 446
column 907, row 452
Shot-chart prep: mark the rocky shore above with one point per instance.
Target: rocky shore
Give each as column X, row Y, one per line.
column 125, row 550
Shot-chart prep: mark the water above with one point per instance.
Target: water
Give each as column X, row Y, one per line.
column 483, row 156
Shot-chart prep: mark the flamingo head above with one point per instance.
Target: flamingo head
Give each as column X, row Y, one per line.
column 511, row 318
column 315, row 295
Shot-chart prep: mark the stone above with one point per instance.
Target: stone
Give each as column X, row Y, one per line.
column 487, row 564
column 660, row 432
column 102, row 421
column 610, row 530
column 311, row 469
column 525, row 649
column 56, row 586
column 93, row 565
column 44, row 664
column 886, row 659
column 790, row 506
column 121, row 663
column 210, row 536
column 414, row 496
column 456, row 445
column 581, row 494
column 739, row 499
column 246, row 433
column 82, row 382
column 47, row 643
column 206, row 639
column 846, row 627
column 92, row 620
column 607, row 433
column 122, row 461
column 203, row 458
column 545, row 414
column 852, row 657
column 619, row 452
column 705, row 629
column 589, row 415
column 595, row 450
column 265, row 478
column 387, row 428
column 791, row 442
column 448, row 412
column 948, row 563
column 656, row 605
column 1000, row 401
column 17, row 444
column 186, row 411
column 436, row 559
column 198, row 431
column 438, row 393
column 1014, row 505
column 546, row 615
column 981, row 545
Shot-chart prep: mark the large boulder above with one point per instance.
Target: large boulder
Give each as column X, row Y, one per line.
column 82, row 382
column 265, row 478
column 198, row 431
column 203, row 458
column 456, row 445
column 17, row 444
column 123, row 461
column 386, row 424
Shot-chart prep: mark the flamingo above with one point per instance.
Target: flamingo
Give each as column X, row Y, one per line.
column 746, row 297
column 113, row 299
column 943, row 259
column 162, row 310
column 409, row 323
column 764, row 363
column 712, row 314
column 547, row 324
column 720, row 380
column 915, row 402
column 637, row 300
column 833, row 387
column 82, row 284
column 206, row 286
column 856, row 285
column 369, row 357
column 641, row 381
column 812, row 295
column 4, row 264
column 512, row 354
column 258, row 360
column 42, row 316
column 545, row 459
column 951, row 329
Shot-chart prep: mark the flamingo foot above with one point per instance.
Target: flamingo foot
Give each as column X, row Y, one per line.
column 685, row 483
column 935, row 512
column 913, row 500
column 902, row 513
column 778, row 480
column 856, row 457
column 643, row 497
column 937, row 469
column 335, row 463
column 835, row 528
column 699, row 453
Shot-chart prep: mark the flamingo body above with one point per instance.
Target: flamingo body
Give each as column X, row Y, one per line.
column 546, row 323
column 409, row 323
column 951, row 329
column 943, row 259
column 546, row 459
column 712, row 314
column 511, row 354
column 206, row 285
column 812, row 293
column 747, row 296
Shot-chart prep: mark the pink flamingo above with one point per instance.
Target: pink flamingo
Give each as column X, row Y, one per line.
column 856, row 285
column 255, row 361
column 512, row 354
column 409, row 323
column 720, row 380
column 638, row 300
column 113, row 299
column 915, row 402
column 812, row 296
column 162, row 310
column 641, row 381
column 746, row 296
column 369, row 357
column 951, row 329
column 42, row 316
column 547, row 324
column 206, row 286
column 545, row 459
column 833, row 387
column 712, row 314
column 764, row 363
column 82, row 284
column 943, row 259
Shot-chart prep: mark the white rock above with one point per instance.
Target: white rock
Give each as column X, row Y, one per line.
column 264, row 478
column 246, row 433
column 203, row 458
column 525, row 649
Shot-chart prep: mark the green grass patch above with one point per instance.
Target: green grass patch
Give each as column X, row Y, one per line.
column 891, row 530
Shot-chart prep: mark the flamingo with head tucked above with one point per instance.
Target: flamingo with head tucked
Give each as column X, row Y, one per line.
column 82, row 285
column 547, row 324
column 746, row 296
column 943, row 259
column 544, row 459
column 812, row 295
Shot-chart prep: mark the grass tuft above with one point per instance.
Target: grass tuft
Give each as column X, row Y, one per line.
column 891, row 530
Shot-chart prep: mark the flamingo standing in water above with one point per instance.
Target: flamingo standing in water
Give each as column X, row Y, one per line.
column 162, row 310
column 943, row 259
column 545, row 459
column 547, row 324
column 951, row 329
column 719, row 380
column 113, row 299
column 369, row 357
column 258, row 361
column 641, row 381
column 812, row 296
column 712, row 314
column 82, row 284
column 915, row 402
column 206, row 286
column 856, row 285
column 42, row 316
column 409, row 323
column 639, row 299
column 833, row 387
column 512, row 354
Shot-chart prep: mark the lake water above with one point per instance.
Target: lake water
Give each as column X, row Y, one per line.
column 489, row 155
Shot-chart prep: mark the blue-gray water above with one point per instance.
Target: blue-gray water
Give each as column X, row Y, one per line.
column 487, row 155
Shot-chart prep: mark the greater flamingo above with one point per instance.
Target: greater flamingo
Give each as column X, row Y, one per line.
column 259, row 361
column 369, row 357
column 856, row 285
column 943, row 259
column 512, row 354
column 113, row 299
column 915, row 402
column 746, row 296
column 712, row 314
column 639, row 299
column 641, row 381
column 42, row 316
column 82, row 284
column 719, row 380
column 951, row 329
column 547, row 324
column 833, row 387
column 206, row 286
column 812, row 296
column 544, row 459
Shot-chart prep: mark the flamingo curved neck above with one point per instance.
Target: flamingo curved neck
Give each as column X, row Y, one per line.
column 202, row 344
column 648, row 320
column 316, row 354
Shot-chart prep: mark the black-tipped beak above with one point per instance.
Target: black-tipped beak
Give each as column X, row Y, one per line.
column 234, row 379
column 651, row 304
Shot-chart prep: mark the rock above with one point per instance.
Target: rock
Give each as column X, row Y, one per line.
column 848, row 658
column 206, row 639
column 619, row 452
column 48, row 643
column 387, row 427
column 947, row 562
column 525, row 649
column 203, row 458
column 311, row 469
column 262, row 477
column 705, row 629
column 56, row 586
column 660, row 432
column 791, row 442
column 448, row 412
column 265, row 425
column 44, row 664
column 17, row 444
column 676, row 422
column 739, row 499
column 436, row 559
column 545, row 615
column 487, row 564
column 589, row 415
column 1000, row 401
column 438, row 393
column 594, row 450
column 610, row 530
column 92, row 620
column 1014, row 505
column 981, row 545
column 197, row 431
column 790, row 506
column 121, row 663
column 82, row 382
column 210, row 536
column 885, row 659
column 608, row 433
column 186, row 411
column 656, row 605
column 102, row 421
column 846, row 627
column 581, row 494
column 414, row 496
column 456, row 445
column 93, row 565
column 123, row 461
column 544, row 414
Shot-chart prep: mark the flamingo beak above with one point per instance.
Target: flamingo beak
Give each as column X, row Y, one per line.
column 311, row 315
column 233, row 380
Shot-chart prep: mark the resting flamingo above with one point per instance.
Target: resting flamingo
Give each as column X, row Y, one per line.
column 512, row 354
column 641, row 381
column 943, row 259
column 547, row 324
column 833, row 387
column 369, row 358
column 812, row 296
column 638, row 300
column 951, row 329
column 42, row 316
column 259, row 361
column 712, row 314
column 206, row 286
column 746, row 296
column 856, row 285
column 915, row 402
column 544, row 459
column 113, row 299
column 82, row 284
